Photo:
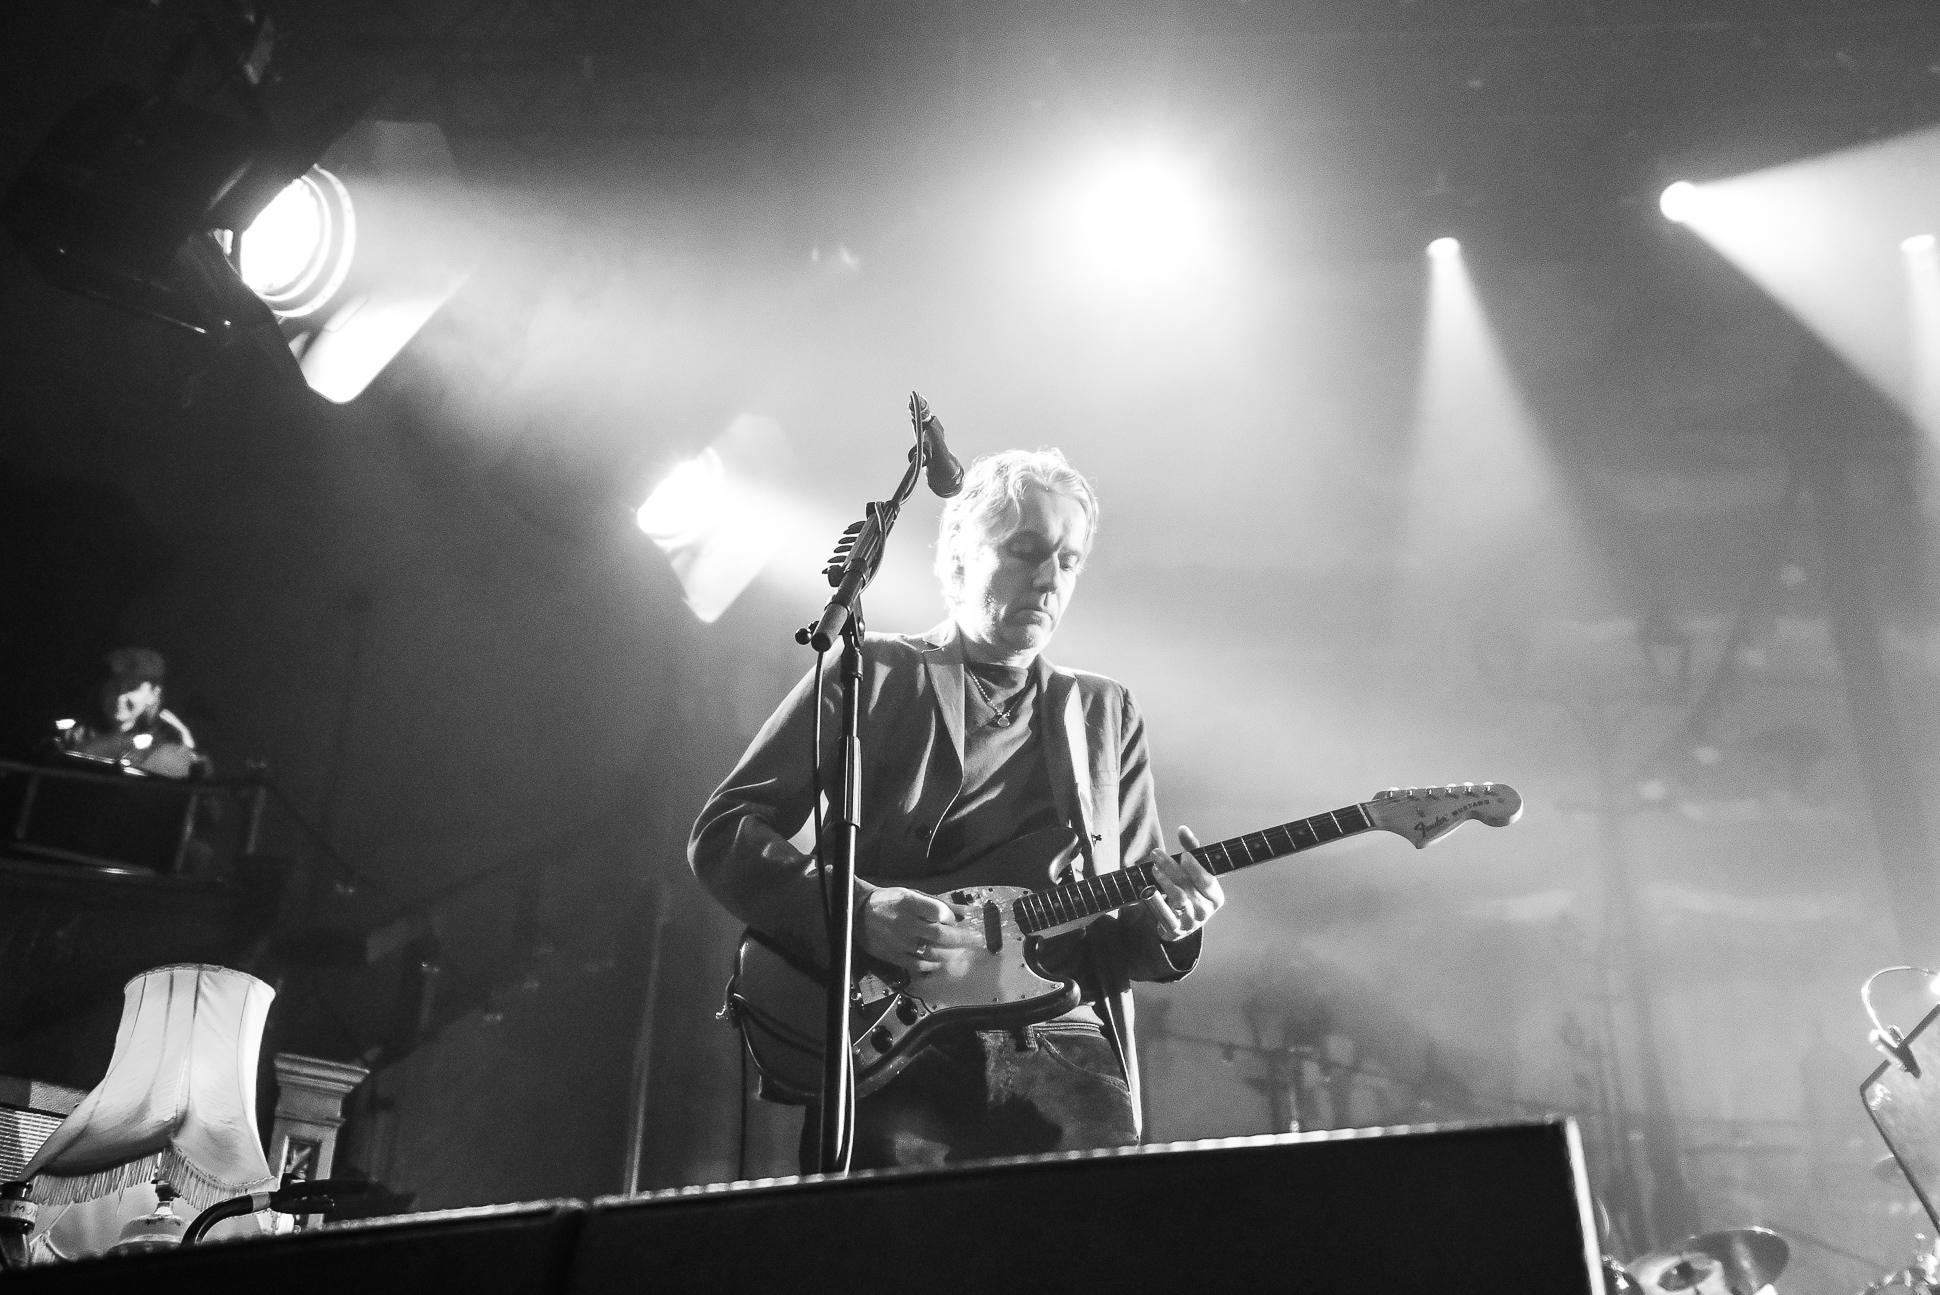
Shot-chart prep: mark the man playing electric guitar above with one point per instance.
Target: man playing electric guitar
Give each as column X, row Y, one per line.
column 972, row 740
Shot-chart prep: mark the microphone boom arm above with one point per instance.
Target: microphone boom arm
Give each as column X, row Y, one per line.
column 859, row 552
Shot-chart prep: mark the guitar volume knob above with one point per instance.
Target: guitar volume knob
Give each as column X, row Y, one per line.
column 907, row 1011
column 879, row 1038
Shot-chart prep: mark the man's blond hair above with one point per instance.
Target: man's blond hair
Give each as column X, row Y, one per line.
column 992, row 500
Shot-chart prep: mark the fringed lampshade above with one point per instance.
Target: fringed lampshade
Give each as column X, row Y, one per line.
column 179, row 1096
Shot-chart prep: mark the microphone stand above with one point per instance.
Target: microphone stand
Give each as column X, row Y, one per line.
column 857, row 555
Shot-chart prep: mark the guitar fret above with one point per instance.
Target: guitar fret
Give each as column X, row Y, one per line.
column 1124, row 887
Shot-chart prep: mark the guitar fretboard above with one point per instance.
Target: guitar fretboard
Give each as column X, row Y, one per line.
column 1080, row 899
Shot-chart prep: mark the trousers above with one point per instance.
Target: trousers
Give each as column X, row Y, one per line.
column 975, row 1094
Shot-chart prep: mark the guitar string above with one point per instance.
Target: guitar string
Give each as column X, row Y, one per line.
column 1092, row 896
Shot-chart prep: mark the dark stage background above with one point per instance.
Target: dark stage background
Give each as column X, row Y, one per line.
column 1595, row 516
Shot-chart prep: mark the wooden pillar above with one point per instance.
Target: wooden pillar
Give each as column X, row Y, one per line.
column 309, row 1111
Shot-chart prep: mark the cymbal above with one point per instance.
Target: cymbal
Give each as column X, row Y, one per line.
column 1752, row 1257
column 1678, row 1270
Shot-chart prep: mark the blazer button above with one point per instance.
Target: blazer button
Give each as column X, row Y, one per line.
column 923, row 830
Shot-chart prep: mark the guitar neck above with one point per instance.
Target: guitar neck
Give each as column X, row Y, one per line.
column 1081, row 899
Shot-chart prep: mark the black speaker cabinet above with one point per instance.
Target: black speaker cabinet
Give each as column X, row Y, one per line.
column 1450, row 1209
column 1482, row 1208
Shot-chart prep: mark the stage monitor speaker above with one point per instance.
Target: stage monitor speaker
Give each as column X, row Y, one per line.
column 496, row 1250
column 1456, row 1209
column 1475, row 1208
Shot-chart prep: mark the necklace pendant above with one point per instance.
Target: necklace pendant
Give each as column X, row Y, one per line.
column 1003, row 719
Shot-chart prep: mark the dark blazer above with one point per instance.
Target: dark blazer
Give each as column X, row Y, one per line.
column 912, row 772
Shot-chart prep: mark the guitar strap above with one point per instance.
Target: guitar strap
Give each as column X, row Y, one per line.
column 1077, row 743
column 1077, row 750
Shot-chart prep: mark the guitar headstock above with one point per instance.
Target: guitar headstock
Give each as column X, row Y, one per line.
column 1425, row 814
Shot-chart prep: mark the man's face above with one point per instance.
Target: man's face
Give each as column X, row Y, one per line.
column 1017, row 585
column 136, row 704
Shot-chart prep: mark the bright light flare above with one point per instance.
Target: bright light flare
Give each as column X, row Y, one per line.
column 720, row 515
column 1827, row 238
column 1442, row 249
column 298, row 250
column 684, row 505
column 1920, row 272
column 1482, row 484
column 1679, row 201
column 281, row 241
column 1139, row 216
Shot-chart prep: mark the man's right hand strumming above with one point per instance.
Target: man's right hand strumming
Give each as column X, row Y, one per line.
column 907, row 927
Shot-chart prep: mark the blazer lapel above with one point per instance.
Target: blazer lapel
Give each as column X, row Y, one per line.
column 945, row 666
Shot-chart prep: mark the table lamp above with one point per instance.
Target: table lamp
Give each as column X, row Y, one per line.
column 178, row 1103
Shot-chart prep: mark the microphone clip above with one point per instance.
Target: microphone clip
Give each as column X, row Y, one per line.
column 1894, row 1047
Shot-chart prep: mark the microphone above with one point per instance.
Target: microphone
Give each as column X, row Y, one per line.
column 944, row 473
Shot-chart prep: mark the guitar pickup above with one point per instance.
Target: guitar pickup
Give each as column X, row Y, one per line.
column 993, row 928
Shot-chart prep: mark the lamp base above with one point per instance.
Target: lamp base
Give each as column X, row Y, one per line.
column 160, row 1230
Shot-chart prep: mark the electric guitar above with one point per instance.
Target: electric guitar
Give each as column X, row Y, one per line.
column 778, row 1001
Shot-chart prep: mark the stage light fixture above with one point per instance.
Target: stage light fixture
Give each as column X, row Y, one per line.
column 131, row 196
column 227, row 227
column 296, row 253
column 1679, row 201
column 382, row 230
column 1918, row 245
column 719, row 515
column 681, row 508
column 1442, row 249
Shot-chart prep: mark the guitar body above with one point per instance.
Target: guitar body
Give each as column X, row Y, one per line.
column 778, row 1000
